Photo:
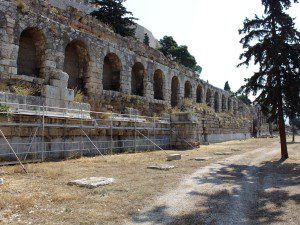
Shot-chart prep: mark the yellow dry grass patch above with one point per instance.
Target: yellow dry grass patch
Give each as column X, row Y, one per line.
column 46, row 184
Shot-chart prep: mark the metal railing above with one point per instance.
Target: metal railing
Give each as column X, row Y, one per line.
column 39, row 118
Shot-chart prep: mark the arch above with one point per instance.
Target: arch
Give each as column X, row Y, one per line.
column 76, row 64
column 199, row 94
column 31, row 55
column 112, row 72
column 216, row 102
column 138, row 75
column 224, row 105
column 175, row 91
column 208, row 97
column 158, row 85
column 187, row 89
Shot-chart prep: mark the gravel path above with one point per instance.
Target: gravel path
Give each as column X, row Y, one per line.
column 241, row 189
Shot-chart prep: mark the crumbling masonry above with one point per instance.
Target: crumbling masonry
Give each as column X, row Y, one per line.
column 64, row 51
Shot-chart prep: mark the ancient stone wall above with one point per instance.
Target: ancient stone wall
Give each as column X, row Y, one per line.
column 67, row 54
column 72, row 48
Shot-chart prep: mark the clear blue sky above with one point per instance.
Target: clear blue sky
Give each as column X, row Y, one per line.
column 209, row 28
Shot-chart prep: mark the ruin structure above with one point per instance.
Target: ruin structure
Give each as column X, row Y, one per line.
column 75, row 62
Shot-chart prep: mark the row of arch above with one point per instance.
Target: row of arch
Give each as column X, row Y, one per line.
column 211, row 98
column 31, row 57
column 32, row 47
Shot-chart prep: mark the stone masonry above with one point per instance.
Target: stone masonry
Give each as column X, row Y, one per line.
column 66, row 53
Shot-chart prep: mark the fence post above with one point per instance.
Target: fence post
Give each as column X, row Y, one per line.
column 111, row 133
column 43, row 132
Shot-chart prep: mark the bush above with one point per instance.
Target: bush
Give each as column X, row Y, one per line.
column 26, row 89
column 4, row 110
column 79, row 96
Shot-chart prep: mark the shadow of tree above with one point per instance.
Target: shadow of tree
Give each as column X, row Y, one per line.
column 259, row 191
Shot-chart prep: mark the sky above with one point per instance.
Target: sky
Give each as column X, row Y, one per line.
column 210, row 30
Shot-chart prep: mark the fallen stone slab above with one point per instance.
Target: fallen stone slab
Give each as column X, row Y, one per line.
column 222, row 153
column 92, row 182
column 161, row 167
column 172, row 157
column 201, row 158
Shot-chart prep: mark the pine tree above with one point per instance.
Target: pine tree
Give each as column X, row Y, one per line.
column 179, row 53
column 146, row 39
column 227, row 87
column 115, row 15
column 273, row 43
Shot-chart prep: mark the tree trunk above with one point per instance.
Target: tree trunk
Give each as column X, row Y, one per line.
column 284, row 151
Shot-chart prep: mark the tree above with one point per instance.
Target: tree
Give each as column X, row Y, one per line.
column 227, row 87
column 146, row 39
column 180, row 54
column 244, row 98
column 114, row 14
column 273, row 43
column 295, row 123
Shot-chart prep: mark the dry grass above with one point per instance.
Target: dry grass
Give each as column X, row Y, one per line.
column 46, row 185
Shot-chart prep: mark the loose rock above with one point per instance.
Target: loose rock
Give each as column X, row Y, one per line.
column 1, row 181
column 172, row 157
column 161, row 167
column 92, row 182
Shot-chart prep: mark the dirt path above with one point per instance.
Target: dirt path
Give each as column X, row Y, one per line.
column 248, row 188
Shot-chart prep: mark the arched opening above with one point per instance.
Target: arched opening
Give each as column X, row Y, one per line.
column 187, row 90
column 216, row 103
column 111, row 72
column 31, row 55
column 175, row 91
column 199, row 94
column 158, row 85
column 76, row 64
column 224, row 105
column 208, row 97
column 138, row 75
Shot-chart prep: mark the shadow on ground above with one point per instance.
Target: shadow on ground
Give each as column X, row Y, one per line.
column 264, row 204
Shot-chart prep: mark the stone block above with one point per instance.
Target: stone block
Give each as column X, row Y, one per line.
column 92, row 182
column 222, row 153
column 201, row 158
column 59, row 83
column 173, row 157
column 51, row 92
column 164, row 167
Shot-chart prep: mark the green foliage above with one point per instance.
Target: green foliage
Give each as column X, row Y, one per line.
column 244, row 98
column 146, row 39
column 227, row 87
column 115, row 15
column 4, row 110
column 180, row 54
column 295, row 122
column 272, row 42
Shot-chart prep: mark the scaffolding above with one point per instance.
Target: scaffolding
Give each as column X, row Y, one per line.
column 38, row 119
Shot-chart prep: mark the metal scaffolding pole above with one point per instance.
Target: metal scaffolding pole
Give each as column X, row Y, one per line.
column 11, row 148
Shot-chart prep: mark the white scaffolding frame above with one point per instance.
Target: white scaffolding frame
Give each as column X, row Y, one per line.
column 83, row 120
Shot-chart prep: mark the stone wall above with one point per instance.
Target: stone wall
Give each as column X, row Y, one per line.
column 66, row 53
column 54, row 30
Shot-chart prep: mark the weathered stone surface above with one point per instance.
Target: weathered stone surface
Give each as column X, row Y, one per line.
column 161, row 167
column 222, row 153
column 201, row 158
column 172, row 157
column 92, row 182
